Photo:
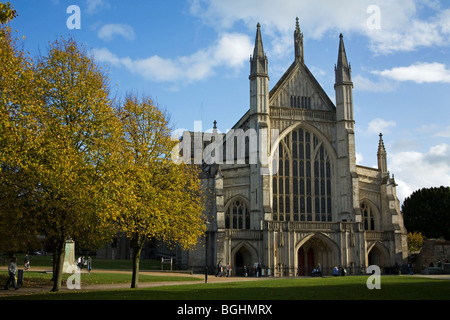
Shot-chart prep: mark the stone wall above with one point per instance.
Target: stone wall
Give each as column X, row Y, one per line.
column 432, row 251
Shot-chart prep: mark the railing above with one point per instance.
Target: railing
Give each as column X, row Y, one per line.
column 301, row 114
column 244, row 234
column 377, row 235
column 307, row 226
column 314, row 225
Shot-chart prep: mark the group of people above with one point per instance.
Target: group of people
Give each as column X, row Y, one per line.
column 81, row 263
column 317, row 272
column 339, row 271
column 220, row 269
column 226, row 271
column 256, row 271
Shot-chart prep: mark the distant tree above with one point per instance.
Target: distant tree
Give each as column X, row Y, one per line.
column 428, row 211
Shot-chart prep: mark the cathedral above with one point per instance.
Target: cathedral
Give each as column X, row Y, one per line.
column 294, row 198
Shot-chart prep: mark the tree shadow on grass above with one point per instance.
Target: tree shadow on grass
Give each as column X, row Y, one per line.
column 340, row 288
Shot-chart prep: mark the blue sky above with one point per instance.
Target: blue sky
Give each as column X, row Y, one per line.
column 192, row 58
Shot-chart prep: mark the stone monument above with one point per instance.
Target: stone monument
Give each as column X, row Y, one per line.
column 69, row 258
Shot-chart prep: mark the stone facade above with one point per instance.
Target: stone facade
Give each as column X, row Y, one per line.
column 310, row 203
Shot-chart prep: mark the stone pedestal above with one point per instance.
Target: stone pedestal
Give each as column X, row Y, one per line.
column 69, row 258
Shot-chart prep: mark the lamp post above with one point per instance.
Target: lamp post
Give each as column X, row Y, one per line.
column 206, row 251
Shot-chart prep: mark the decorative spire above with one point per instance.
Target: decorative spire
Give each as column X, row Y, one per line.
column 381, row 145
column 258, row 62
column 258, row 52
column 342, row 69
column 382, row 155
column 298, row 43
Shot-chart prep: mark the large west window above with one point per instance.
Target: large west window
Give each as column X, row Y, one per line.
column 302, row 184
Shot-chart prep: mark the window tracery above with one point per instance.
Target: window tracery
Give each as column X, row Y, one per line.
column 368, row 216
column 237, row 215
column 302, row 185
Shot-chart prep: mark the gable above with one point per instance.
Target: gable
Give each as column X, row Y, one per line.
column 298, row 88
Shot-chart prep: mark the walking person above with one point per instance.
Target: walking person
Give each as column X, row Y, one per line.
column 89, row 264
column 228, row 270
column 410, row 268
column 27, row 262
column 12, row 269
column 219, row 269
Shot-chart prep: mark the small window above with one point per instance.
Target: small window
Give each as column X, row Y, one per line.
column 237, row 216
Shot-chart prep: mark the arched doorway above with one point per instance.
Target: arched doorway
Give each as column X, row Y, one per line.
column 313, row 252
column 242, row 258
column 378, row 256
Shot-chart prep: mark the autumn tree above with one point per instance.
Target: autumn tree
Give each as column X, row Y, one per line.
column 77, row 164
column 161, row 199
column 59, row 180
column 19, row 134
column 7, row 12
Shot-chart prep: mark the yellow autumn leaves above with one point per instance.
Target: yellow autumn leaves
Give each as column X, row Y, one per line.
column 75, row 163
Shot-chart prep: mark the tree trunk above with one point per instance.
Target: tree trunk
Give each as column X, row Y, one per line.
column 54, row 261
column 137, row 248
column 57, row 272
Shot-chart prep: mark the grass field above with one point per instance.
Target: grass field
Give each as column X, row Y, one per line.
column 328, row 288
column 338, row 288
column 36, row 278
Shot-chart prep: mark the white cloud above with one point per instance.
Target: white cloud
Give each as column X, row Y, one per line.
column 231, row 50
column 379, row 125
column 366, row 84
column 444, row 133
column 415, row 170
column 359, row 158
column 421, row 72
column 401, row 27
column 108, row 31
column 94, row 5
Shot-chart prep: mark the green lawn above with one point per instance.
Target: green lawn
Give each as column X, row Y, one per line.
column 35, row 278
column 338, row 288
column 45, row 261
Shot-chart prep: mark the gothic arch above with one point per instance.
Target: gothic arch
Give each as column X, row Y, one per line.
column 377, row 254
column 243, row 254
column 322, row 237
column 315, row 249
column 304, row 125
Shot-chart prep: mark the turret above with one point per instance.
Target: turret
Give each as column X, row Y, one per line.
column 345, row 135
